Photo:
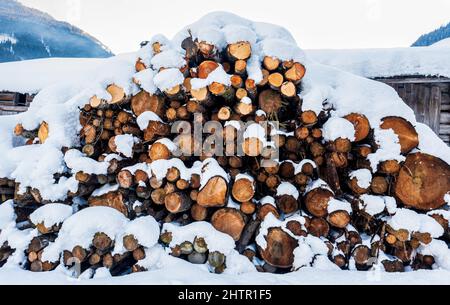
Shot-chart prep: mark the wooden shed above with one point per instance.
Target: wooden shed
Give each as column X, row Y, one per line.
column 429, row 97
column 13, row 103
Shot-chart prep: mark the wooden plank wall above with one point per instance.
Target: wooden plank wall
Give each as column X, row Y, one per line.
column 10, row 103
column 445, row 115
column 430, row 100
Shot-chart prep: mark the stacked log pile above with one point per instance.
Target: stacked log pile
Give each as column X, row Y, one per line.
column 316, row 185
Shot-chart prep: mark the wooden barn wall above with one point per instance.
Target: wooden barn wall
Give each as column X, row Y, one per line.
column 11, row 103
column 430, row 100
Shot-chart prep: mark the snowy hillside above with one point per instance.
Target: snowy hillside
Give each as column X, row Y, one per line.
column 27, row 33
column 50, row 166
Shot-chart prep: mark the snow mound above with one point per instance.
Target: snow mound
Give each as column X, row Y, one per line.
column 51, row 214
column 80, row 228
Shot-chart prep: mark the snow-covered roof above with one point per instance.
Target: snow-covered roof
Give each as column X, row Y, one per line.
column 414, row 61
column 31, row 76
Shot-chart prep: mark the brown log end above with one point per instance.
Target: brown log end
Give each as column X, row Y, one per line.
column 43, row 132
column 423, row 182
column 243, row 190
column 361, row 125
column 339, row 219
column 177, row 202
column 117, row 94
column 317, row 201
column 113, row 200
column 229, row 221
column 240, row 50
column 144, row 101
column 206, row 67
column 280, row 248
column 270, row 101
column 407, row 134
column 214, row 194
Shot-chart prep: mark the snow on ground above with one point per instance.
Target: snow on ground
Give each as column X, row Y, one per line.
column 65, row 85
column 444, row 43
column 423, row 61
column 179, row 272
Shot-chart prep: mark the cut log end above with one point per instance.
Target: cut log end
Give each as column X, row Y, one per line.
column 240, row 50
column 229, row 221
column 423, row 182
column 361, row 125
column 214, row 194
column 243, row 190
column 280, row 249
column 407, row 134
column 317, row 201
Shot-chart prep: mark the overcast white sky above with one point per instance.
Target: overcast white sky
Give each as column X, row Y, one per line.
column 123, row 24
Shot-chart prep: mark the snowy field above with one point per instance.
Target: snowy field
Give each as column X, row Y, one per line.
column 66, row 84
column 182, row 273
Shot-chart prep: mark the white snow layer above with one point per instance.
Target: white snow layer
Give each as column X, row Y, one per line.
column 414, row 222
column 146, row 117
column 336, row 128
column 51, row 214
column 424, row 61
column 125, row 144
column 362, row 176
column 64, row 85
column 81, row 227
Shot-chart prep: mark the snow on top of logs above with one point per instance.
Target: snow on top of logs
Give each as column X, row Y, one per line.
column 319, row 183
column 339, row 205
column 414, row 222
column 336, row 128
column 77, row 162
column 168, row 143
column 363, row 177
column 267, row 200
column 211, row 169
column 222, row 28
column 216, row 241
column 107, row 188
column 372, row 205
column 146, row 117
column 244, row 176
column 51, row 214
column 168, row 78
column 80, row 228
column 218, row 75
column 286, row 188
column 125, row 144
column 145, row 80
column 168, row 59
column 144, row 229
column 207, row 169
column 444, row 213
